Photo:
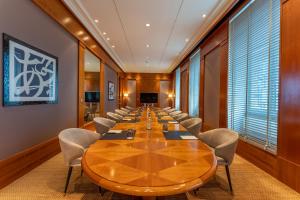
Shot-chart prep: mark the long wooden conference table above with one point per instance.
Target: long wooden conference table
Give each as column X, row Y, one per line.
column 149, row 165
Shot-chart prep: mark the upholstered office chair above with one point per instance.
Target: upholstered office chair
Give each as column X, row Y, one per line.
column 181, row 117
column 172, row 114
column 103, row 124
column 125, row 110
column 166, row 108
column 170, row 110
column 193, row 125
column 114, row 116
column 73, row 142
column 121, row 112
column 224, row 142
column 130, row 108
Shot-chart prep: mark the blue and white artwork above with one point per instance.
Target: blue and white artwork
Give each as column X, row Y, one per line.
column 30, row 74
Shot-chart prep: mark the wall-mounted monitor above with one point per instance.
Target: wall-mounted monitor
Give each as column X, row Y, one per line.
column 149, row 97
column 92, row 97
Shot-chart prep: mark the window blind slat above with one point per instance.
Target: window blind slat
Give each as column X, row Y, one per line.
column 253, row 74
column 194, row 84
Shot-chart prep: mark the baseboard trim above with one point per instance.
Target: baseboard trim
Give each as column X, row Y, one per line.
column 21, row 163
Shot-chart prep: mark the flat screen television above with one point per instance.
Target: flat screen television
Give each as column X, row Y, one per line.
column 92, row 97
column 149, row 98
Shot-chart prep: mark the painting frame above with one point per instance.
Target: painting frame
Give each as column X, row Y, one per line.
column 111, row 90
column 37, row 83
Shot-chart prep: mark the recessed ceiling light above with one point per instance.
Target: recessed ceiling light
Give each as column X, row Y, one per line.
column 86, row 38
column 204, row 15
column 148, row 25
column 66, row 20
column 93, row 46
column 113, row 46
column 104, row 33
column 96, row 20
column 108, row 38
column 147, row 45
column 79, row 33
column 187, row 39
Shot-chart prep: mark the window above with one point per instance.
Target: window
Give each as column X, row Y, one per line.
column 177, row 89
column 253, row 74
column 194, row 84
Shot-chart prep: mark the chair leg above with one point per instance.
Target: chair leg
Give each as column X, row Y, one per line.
column 228, row 177
column 68, row 178
column 81, row 172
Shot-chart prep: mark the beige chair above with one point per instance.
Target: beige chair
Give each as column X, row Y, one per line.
column 73, row 142
column 130, row 108
column 121, row 112
column 114, row 116
column 172, row 114
column 224, row 142
column 103, row 124
column 181, row 117
column 170, row 110
column 166, row 108
column 125, row 110
column 193, row 125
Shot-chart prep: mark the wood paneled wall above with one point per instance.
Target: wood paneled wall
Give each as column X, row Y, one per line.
column 145, row 82
column 184, row 87
column 284, row 166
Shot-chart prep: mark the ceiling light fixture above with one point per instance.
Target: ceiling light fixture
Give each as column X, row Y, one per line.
column 113, row 46
column 204, row 15
column 147, row 45
column 79, row 33
column 187, row 39
column 108, row 38
column 85, row 38
column 104, row 33
column 147, row 25
column 96, row 20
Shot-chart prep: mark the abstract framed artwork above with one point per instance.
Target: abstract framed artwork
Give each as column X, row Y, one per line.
column 111, row 91
column 30, row 75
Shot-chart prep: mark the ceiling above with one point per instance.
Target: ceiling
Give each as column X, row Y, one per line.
column 175, row 27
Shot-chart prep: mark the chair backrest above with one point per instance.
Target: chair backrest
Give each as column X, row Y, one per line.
column 170, row 110
column 166, row 108
column 120, row 112
column 130, row 108
column 125, row 110
column 193, row 125
column 223, row 140
column 73, row 141
column 103, row 124
column 181, row 117
column 114, row 116
column 172, row 114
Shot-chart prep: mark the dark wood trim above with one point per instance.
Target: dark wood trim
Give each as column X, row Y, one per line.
column 21, row 163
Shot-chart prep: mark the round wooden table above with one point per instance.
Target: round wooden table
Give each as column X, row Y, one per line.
column 149, row 165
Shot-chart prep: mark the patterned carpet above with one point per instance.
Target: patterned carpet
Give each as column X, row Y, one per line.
column 47, row 182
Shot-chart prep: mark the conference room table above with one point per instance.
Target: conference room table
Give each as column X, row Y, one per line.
column 149, row 165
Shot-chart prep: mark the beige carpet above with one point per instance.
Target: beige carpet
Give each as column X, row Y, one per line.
column 47, row 182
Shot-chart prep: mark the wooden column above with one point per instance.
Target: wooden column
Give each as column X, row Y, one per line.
column 102, row 90
column 81, row 103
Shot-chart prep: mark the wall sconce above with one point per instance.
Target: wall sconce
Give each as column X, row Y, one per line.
column 170, row 95
column 125, row 94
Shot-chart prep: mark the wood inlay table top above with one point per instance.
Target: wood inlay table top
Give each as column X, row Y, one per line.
column 149, row 165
